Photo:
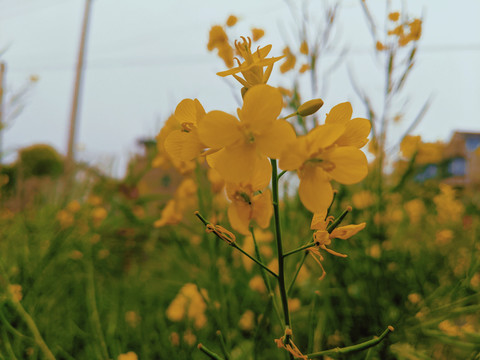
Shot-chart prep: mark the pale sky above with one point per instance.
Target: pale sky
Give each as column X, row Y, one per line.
column 145, row 56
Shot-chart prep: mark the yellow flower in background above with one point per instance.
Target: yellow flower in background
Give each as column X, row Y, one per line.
column 289, row 62
column 65, row 218
column 253, row 64
column 232, row 20
column 329, row 151
column 394, row 16
column 128, row 356
column 246, row 143
column 183, row 199
column 415, row 209
column 304, row 68
column 247, row 321
column 185, row 144
column 15, row 291
column 257, row 34
column 189, row 303
column 380, row 47
column 304, row 47
column 362, row 199
column 449, row 209
column 98, row 214
column 218, row 39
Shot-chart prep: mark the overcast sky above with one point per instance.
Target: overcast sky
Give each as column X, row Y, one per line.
column 144, row 56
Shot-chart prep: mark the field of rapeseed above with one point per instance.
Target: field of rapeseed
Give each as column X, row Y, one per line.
column 263, row 232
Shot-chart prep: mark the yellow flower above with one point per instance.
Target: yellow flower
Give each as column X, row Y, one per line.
column 189, row 302
column 128, row 356
column 252, row 67
column 246, row 144
column 247, row 321
column 250, row 202
column 15, row 291
column 380, row 46
column 329, row 151
column 304, row 68
column 232, row 20
column 363, row 199
column 290, row 61
column 304, row 47
column 218, row 39
column 415, row 209
column 256, row 283
column 394, row 16
column 185, row 144
column 257, row 34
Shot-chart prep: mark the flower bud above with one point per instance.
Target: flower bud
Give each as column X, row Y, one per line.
column 310, row 107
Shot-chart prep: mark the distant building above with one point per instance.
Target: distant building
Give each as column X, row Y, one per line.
column 463, row 159
column 460, row 166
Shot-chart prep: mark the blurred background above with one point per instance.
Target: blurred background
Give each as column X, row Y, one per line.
column 143, row 57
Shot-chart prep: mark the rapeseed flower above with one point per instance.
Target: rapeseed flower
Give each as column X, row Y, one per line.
column 246, row 143
column 184, row 144
column 329, row 151
column 232, row 20
column 218, row 39
column 289, row 62
column 253, row 64
column 257, row 34
column 189, row 303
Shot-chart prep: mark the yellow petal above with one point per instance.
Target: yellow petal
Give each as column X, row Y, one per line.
column 262, row 105
column 318, row 221
column 189, row 111
column 315, row 190
column 219, row 129
column 234, row 163
column 351, row 165
column 356, row 133
column 183, row 146
column 323, row 136
column 239, row 217
column 262, row 209
column 345, row 232
column 339, row 114
column 294, row 154
column 272, row 142
column 261, row 175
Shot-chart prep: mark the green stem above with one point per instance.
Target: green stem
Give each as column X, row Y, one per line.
column 222, row 344
column 209, row 352
column 290, row 287
column 281, row 174
column 306, row 246
column 265, row 279
column 234, row 245
column 278, row 237
column 353, row 348
column 337, row 222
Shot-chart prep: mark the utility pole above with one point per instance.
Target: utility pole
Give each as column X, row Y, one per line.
column 2, row 123
column 77, row 88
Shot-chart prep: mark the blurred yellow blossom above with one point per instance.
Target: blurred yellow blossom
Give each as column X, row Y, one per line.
column 232, row 20
column 304, row 68
column 247, row 321
column 294, row 304
column 98, row 214
column 218, row 39
column 188, row 303
column 15, row 291
column 394, row 16
column 449, row 209
column 443, row 237
column 174, row 339
column 65, row 218
column 256, row 283
column 189, row 337
column 304, row 47
column 128, row 356
column 415, row 210
column 132, row 318
column 257, row 34
column 289, row 62
column 362, row 199
column 73, row 206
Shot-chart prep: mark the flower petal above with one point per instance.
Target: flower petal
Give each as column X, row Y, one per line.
column 272, row 142
column 189, row 111
column 234, row 163
column 339, row 114
column 294, row 154
column 183, row 146
column 345, row 232
column 315, row 190
column 323, row 136
column 351, row 165
column 219, row 129
column 262, row 209
column 356, row 133
column 261, row 106
column 239, row 217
